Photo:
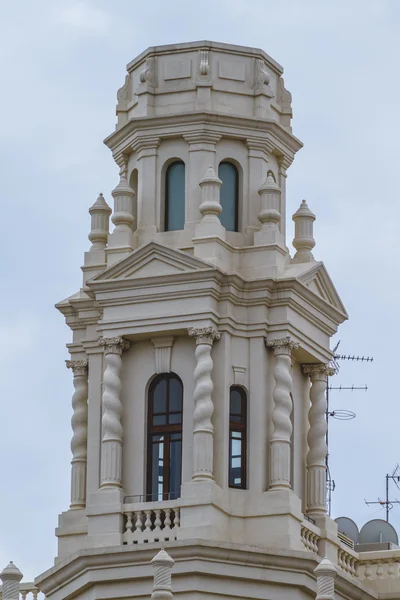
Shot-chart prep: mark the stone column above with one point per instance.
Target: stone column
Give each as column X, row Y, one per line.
column 120, row 241
column 316, row 438
column 10, row 576
column 281, row 437
column 257, row 170
column 162, row 565
column 79, row 422
column 148, row 205
column 111, row 445
column 325, row 573
column 203, row 431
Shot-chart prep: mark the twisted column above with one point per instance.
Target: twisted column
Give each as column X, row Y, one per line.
column 79, row 432
column 111, row 444
column 325, row 573
column 281, row 436
column 162, row 565
column 316, row 438
column 203, row 431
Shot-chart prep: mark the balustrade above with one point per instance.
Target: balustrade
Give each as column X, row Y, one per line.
column 157, row 524
column 347, row 562
column 309, row 538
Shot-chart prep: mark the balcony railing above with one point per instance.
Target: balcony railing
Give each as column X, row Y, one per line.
column 159, row 522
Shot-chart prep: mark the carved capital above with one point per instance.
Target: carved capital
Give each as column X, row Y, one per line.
column 114, row 345
column 204, row 335
column 282, row 345
column 79, row 367
column 318, row 369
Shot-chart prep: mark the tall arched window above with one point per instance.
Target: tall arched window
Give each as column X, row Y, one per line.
column 229, row 195
column 164, row 450
column 175, row 196
column 237, row 437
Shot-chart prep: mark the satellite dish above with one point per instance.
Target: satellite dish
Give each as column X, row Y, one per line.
column 376, row 531
column 348, row 528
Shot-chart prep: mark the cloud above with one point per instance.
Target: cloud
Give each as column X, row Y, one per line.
column 85, row 18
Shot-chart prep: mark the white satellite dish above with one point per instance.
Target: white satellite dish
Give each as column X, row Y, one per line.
column 376, row 531
column 348, row 528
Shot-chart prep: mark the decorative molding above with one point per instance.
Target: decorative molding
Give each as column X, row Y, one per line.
column 239, row 374
column 204, row 67
column 262, row 75
column 163, row 350
column 282, row 345
column 114, row 345
column 204, row 335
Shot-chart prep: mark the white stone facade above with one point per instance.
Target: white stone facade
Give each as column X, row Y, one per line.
column 218, row 309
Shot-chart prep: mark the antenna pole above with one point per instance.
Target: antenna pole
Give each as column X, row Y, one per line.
column 387, row 498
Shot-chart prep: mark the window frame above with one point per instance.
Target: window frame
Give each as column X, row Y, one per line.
column 166, row 430
column 234, row 427
column 174, row 162
column 232, row 164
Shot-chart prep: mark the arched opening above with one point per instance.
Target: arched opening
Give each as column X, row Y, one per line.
column 229, row 195
column 164, row 437
column 237, row 437
column 174, row 217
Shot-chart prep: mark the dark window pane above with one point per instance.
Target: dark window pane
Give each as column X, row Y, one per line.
column 236, row 402
column 175, row 395
column 175, row 197
column 160, row 397
column 157, row 470
column 175, row 468
column 176, row 436
column 228, row 195
column 159, row 419
column 175, row 418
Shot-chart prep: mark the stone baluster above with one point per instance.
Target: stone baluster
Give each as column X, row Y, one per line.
column 316, row 438
column 79, row 423
column 270, row 215
column 100, row 218
column 162, row 565
column 325, row 573
column 111, row 445
column 210, row 207
column 203, row 431
column 281, row 436
column 10, row 576
column 303, row 237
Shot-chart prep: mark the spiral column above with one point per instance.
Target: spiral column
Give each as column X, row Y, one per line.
column 281, row 436
column 203, row 431
column 316, row 438
column 325, row 573
column 111, row 444
column 79, row 432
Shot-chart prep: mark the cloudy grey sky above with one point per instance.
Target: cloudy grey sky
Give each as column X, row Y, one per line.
column 62, row 62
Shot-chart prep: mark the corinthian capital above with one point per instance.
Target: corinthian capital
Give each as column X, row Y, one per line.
column 114, row 345
column 318, row 369
column 204, row 335
column 283, row 345
column 79, row 367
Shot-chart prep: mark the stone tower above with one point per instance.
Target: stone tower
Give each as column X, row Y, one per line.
column 200, row 350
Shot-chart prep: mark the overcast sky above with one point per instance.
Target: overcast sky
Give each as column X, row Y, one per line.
column 61, row 65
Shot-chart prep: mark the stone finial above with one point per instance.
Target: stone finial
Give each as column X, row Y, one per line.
column 100, row 216
column 325, row 573
column 162, row 565
column 303, row 234
column 270, row 215
column 10, row 576
column 210, row 207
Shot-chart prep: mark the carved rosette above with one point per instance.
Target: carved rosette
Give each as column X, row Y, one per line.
column 316, row 438
column 281, row 436
column 79, row 432
column 203, row 431
column 111, row 447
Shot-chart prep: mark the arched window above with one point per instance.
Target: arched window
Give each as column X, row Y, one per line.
column 229, row 195
column 164, row 450
column 175, row 196
column 237, row 437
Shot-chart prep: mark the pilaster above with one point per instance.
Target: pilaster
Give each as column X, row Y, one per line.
column 257, row 166
column 149, row 218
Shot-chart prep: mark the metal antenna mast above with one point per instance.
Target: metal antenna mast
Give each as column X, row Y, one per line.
column 342, row 415
column 395, row 477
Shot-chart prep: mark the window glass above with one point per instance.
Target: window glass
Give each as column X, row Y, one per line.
column 175, row 197
column 228, row 174
column 237, row 437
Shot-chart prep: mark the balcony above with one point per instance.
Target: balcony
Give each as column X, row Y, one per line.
column 147, row 522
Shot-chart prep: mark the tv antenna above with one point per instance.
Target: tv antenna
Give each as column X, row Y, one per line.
column 395, row 477
column 340, row 414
